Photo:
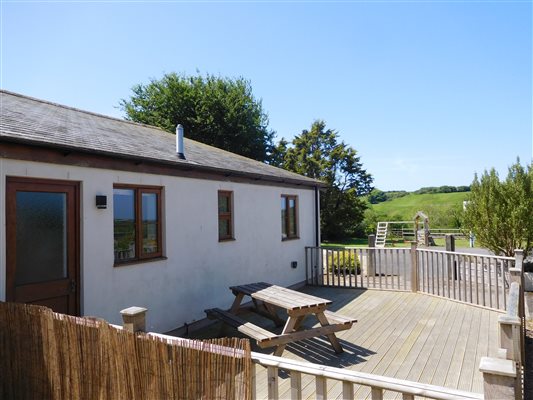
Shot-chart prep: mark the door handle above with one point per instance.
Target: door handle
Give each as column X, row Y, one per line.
column 72, row 286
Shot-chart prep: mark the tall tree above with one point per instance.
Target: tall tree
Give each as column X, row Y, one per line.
column 221, row 112
column 499, row 212
column 318, row 153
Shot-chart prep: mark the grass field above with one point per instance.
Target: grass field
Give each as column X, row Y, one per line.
column 405, row 208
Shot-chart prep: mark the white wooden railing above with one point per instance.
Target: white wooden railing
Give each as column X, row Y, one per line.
column 470, row 278
column 324, row 376
column 366, row 267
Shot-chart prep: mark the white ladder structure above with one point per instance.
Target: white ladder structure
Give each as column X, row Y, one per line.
column 381, row 234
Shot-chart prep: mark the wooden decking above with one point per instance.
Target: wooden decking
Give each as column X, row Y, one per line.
column 403, row 335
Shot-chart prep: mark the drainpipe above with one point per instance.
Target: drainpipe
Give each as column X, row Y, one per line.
column 317, row 218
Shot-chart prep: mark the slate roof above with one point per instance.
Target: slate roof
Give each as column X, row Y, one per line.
column 32, row 121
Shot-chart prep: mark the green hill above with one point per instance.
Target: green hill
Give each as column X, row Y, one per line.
column 441, row 208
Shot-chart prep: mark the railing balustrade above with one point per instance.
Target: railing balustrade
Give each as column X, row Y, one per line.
column 470, row 278
column 354, row 384
column 369, row 267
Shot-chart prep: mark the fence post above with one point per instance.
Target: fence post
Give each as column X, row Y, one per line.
column 499, row 378
column 134, row 319
column 509, row 336
column 371, row 264
column 517, row 275
column 450, row 246
column 414, row 267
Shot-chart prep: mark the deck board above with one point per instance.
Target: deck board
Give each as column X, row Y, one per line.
column 398, row 334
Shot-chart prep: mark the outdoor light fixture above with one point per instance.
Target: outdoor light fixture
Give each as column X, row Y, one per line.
column 101, row 202
column 294, row 264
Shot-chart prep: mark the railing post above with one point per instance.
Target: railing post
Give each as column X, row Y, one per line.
column 371, row 263
column 450, row 246
column 414, row 267
column 499, row 379
column 510, row 337
column 134, row 319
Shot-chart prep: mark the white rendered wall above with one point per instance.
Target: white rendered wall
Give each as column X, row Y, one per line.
column 198, row 269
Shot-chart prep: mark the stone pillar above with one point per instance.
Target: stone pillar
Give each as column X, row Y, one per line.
column 499, row 379
column 134, row 319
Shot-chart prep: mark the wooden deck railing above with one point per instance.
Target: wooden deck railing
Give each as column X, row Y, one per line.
column 471, row 278
column 323, row 376
column 503, row 375
column 368, row 267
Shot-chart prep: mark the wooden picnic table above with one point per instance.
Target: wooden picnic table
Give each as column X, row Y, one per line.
column 267, row 298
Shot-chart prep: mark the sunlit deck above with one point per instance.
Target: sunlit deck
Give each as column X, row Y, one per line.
column 404, row 335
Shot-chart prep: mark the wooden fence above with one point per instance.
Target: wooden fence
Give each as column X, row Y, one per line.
column 45, row 355
column 376, row 386
column 471, row 278
column 503, row 375
column 369, row 267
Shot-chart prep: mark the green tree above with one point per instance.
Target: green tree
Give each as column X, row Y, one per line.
column 221, row 112
column 318, row 153
column 499, row 212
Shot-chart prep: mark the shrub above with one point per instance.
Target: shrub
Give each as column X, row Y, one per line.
column 344, row 261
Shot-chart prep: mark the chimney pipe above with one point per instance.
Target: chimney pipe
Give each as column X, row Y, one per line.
column 179, row 142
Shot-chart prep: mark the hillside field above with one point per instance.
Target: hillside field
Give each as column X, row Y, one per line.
column 439, row 207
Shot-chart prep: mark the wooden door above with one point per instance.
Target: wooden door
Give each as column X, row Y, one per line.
column 42, row 243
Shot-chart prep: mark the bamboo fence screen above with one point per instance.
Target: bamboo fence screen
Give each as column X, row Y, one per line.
column 46, row 355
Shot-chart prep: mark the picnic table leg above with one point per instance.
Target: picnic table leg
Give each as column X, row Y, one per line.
column 236, row 303
column 332, row 338
column 289, row 327
column 272, row 311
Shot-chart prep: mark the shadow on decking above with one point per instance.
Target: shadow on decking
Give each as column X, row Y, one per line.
column 319, row 351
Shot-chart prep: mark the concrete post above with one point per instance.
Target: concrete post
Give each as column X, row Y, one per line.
column 371, row 263
column 134, row 319
column 414, row 267
column 499, row 379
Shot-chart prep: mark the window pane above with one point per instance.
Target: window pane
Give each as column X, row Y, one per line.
column 292, row 217
column 283, row 217
column 124, row 223
column 223, row 228
column 41, row 237
column 149, row 223
column 223, row 203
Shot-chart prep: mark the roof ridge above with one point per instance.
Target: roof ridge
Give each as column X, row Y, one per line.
column 81, row 111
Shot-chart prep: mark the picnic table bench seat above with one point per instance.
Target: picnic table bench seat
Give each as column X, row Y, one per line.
column 339, row 319
column 247, row 328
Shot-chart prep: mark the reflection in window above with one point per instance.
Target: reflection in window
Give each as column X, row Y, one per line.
column 289, row 217
column 137, row 224
column 225, row 215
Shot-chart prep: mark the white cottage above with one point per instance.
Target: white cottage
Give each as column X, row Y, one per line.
column 98, row 214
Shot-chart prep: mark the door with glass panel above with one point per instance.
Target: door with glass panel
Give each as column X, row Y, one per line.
column 42, row 243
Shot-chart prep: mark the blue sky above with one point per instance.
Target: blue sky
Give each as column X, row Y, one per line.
column 427, row 92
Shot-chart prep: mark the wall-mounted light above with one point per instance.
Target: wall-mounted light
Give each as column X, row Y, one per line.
column 101, row 202
column 294, row 264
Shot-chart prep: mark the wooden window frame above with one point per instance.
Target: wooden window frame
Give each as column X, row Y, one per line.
column 138, row 192
column 227, row 216
column 287, row 222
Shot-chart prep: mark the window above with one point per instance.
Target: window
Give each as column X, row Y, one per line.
column 225, row 215
column 289, row 217
column 137, row 223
